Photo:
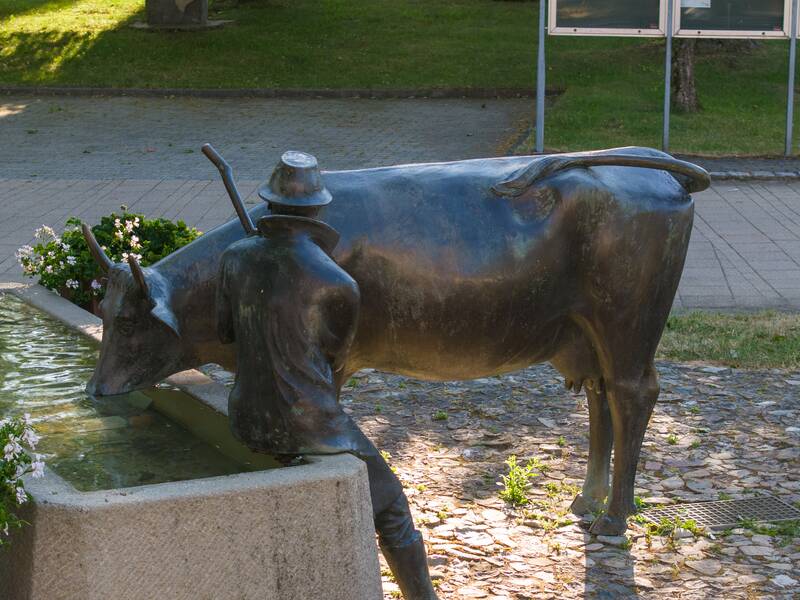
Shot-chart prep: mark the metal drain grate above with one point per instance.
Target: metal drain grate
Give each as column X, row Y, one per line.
column 726, row 513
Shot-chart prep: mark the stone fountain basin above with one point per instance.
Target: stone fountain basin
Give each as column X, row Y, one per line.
column 301, row 532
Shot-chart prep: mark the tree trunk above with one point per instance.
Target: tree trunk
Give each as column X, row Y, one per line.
column 684, row 90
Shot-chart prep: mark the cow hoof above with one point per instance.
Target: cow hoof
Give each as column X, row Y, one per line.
column 605, row 524
column 584, row 505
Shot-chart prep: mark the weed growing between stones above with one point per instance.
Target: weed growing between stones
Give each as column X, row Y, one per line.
column 517, row 481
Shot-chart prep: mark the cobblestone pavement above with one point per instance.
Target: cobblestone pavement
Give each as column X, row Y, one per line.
column 716, row 433
column 158, row 138
column 85, row 157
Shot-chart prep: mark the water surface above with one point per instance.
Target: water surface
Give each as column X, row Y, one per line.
column 94, row 443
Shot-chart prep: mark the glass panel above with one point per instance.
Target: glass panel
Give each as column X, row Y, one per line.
column 608, row 14
column 732, row 15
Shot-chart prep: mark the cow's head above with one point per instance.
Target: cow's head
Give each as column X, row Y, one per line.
column 141, row 334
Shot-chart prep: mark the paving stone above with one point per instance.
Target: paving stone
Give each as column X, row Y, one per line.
column 707, row 567
column 143, row 152
column 756, row 550
column 540, row 561
column 784, row 581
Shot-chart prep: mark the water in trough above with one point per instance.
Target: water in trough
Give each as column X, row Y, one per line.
column 111, row 442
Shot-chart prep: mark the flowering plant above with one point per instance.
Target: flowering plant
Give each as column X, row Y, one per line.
column 65, row 265
column 15, row 435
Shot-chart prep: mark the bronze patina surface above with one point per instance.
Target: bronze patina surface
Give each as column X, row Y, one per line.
column 466, row 269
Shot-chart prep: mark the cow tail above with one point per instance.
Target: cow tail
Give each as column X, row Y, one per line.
column 692, row 177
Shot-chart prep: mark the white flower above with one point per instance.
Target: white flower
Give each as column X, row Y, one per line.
column 12, row 449
column 135, row 242
column 37, row 469
column 117, row 223
column 96, row 284
column 4, row 530
column 30, row 437
column 24, row 253
column 72, row 283
column 49, row 268
column 129, row 225
column 22, row 497
column 124, row 256
column 65, row 247
column 71, row 260
column 118, row 234
column 138, row 257
column 51, row 254
column 45, row 233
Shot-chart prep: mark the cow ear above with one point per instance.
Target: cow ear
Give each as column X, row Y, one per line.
column 164, row 314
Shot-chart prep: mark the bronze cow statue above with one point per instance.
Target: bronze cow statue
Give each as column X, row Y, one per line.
column 465, row 269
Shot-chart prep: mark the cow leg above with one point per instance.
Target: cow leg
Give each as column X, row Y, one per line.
column 631, row 402
column 577, row 361
column 595, row 487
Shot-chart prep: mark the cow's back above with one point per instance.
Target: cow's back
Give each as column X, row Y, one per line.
column 444, row 263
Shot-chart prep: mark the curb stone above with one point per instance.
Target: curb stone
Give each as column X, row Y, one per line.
column 283, row 93
column 755, row 175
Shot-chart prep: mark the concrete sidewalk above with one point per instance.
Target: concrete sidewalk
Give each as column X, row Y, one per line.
column 85, row 157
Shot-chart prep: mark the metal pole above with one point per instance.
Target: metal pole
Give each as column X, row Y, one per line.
column 540, row 79
column 790, row 98
column 668, row 76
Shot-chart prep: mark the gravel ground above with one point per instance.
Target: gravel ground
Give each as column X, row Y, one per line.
column 717, row 433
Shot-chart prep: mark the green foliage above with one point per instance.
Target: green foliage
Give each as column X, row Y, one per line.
column 65, row 265
column 753, row 340
column 517, row 481
column 388, row 458
column 17, row 442
column 785, row 531
column 611, row 87
column 669, row 527
column 672, row 439
column 551, row 513
column 440, row 415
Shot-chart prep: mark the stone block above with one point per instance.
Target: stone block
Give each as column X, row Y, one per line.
column 162, row 13
column 298, row 532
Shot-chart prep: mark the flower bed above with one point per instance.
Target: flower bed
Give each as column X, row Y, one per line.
column 65, row 265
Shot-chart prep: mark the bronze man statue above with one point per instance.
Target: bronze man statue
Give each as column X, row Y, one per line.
column 292, row 312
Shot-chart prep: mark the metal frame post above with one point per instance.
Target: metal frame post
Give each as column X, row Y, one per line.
column 790, row 94
column 540, row 78
column 668, row 75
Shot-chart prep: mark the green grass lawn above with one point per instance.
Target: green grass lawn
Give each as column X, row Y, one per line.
column 612, row 87
column 748, row 340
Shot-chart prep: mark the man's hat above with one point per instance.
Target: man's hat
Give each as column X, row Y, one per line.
column 296, row 181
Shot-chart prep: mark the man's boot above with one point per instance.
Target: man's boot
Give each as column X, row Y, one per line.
column 409, row 565
column 404, row 550
column 400, row 542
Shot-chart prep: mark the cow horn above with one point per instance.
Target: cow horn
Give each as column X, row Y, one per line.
column 138, row 275
column 97, row 251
